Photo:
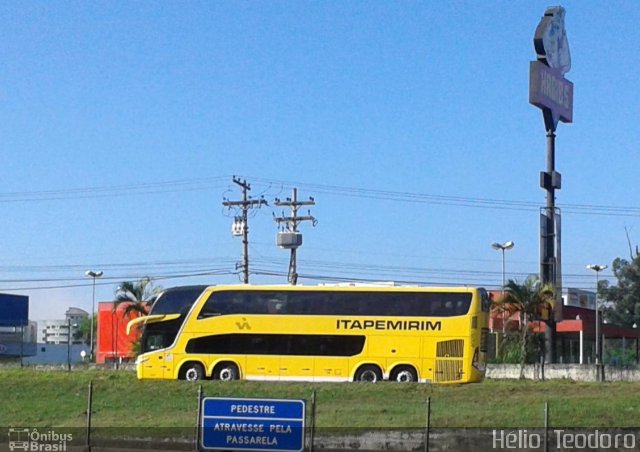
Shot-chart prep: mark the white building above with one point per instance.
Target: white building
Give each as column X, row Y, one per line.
column 57, row 331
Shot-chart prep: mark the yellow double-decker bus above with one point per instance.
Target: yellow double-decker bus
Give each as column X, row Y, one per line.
column 316, row 333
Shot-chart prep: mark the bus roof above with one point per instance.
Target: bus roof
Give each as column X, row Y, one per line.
column 342, row 287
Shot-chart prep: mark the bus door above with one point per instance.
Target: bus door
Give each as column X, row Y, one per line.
column 153, row 365
column 160, row 363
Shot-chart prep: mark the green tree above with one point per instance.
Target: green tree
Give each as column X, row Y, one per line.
column 622, row 301
column 529, row 299
column 139, row 295
column 84, row 329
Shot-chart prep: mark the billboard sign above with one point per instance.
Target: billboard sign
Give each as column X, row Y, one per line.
column 548, row 89
column 14, row 310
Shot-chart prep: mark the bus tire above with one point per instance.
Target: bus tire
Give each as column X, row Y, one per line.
column 192, row 371
column 226, row 371
column 369, row 373
column 404, row 374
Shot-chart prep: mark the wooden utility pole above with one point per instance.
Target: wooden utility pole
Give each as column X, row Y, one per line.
column 291, row 238
column 245, row 204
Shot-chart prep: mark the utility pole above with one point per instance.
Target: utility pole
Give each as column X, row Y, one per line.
column 290, row 238
column 241, row 225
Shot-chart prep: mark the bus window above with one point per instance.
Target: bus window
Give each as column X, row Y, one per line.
column 461, row 307
column 485, row 300
column 277, row 344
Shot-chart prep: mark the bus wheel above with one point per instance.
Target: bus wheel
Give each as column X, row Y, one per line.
column 226, row 372
column 192, row 372
column 368, row 373
column 404, row 374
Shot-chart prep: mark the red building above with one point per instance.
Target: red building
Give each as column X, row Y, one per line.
column 576, row 332
column 113, row 342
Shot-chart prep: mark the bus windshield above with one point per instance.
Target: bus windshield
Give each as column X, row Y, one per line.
column 179, row 300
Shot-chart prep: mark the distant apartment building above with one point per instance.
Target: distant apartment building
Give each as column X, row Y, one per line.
column 63, row 331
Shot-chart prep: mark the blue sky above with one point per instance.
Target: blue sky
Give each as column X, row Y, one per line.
column 122, row 124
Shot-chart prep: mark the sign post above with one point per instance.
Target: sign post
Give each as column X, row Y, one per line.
column 252, row 424
column 553, row 94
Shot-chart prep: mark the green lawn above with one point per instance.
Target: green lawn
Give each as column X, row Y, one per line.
column 58, row 399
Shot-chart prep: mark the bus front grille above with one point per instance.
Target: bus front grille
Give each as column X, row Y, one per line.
column 450, row 349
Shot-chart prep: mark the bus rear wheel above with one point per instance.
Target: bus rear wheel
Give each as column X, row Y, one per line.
column 226, row 372
column 404, row 374
column 368, row 373
column 192, row 372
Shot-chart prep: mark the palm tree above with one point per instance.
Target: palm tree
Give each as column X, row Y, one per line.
column 139, row 295
column 531, row 300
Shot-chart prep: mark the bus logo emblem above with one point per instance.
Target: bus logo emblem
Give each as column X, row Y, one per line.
column 244, row 325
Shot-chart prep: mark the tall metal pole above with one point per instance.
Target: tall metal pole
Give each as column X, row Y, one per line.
column 117, row 327
column 93, row 274
column 93, row 314
column 245, row 237
column 598, row 363
column 503, row 283
column 503, row 247
column 599, row 370
column 293, row 265
column 21, row 346
column 548, row 271
column 69, row 345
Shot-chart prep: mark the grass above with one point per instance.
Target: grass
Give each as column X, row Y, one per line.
column 59, row 399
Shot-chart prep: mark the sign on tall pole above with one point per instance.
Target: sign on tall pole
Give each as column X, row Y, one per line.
column 550, row 91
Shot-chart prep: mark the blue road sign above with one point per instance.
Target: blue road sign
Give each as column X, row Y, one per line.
column 252, row 424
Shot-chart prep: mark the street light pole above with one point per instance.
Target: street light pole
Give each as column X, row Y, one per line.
column 94, row 275
column 502, row 247
column 598, row 268
column 69, row 344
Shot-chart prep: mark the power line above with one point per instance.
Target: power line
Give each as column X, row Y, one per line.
column 587, row 209
column 204, row 184
column 172, row 186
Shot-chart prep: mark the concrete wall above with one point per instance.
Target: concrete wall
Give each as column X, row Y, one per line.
column 577, row 372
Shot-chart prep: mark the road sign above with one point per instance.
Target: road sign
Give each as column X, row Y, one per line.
column 252, row 424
